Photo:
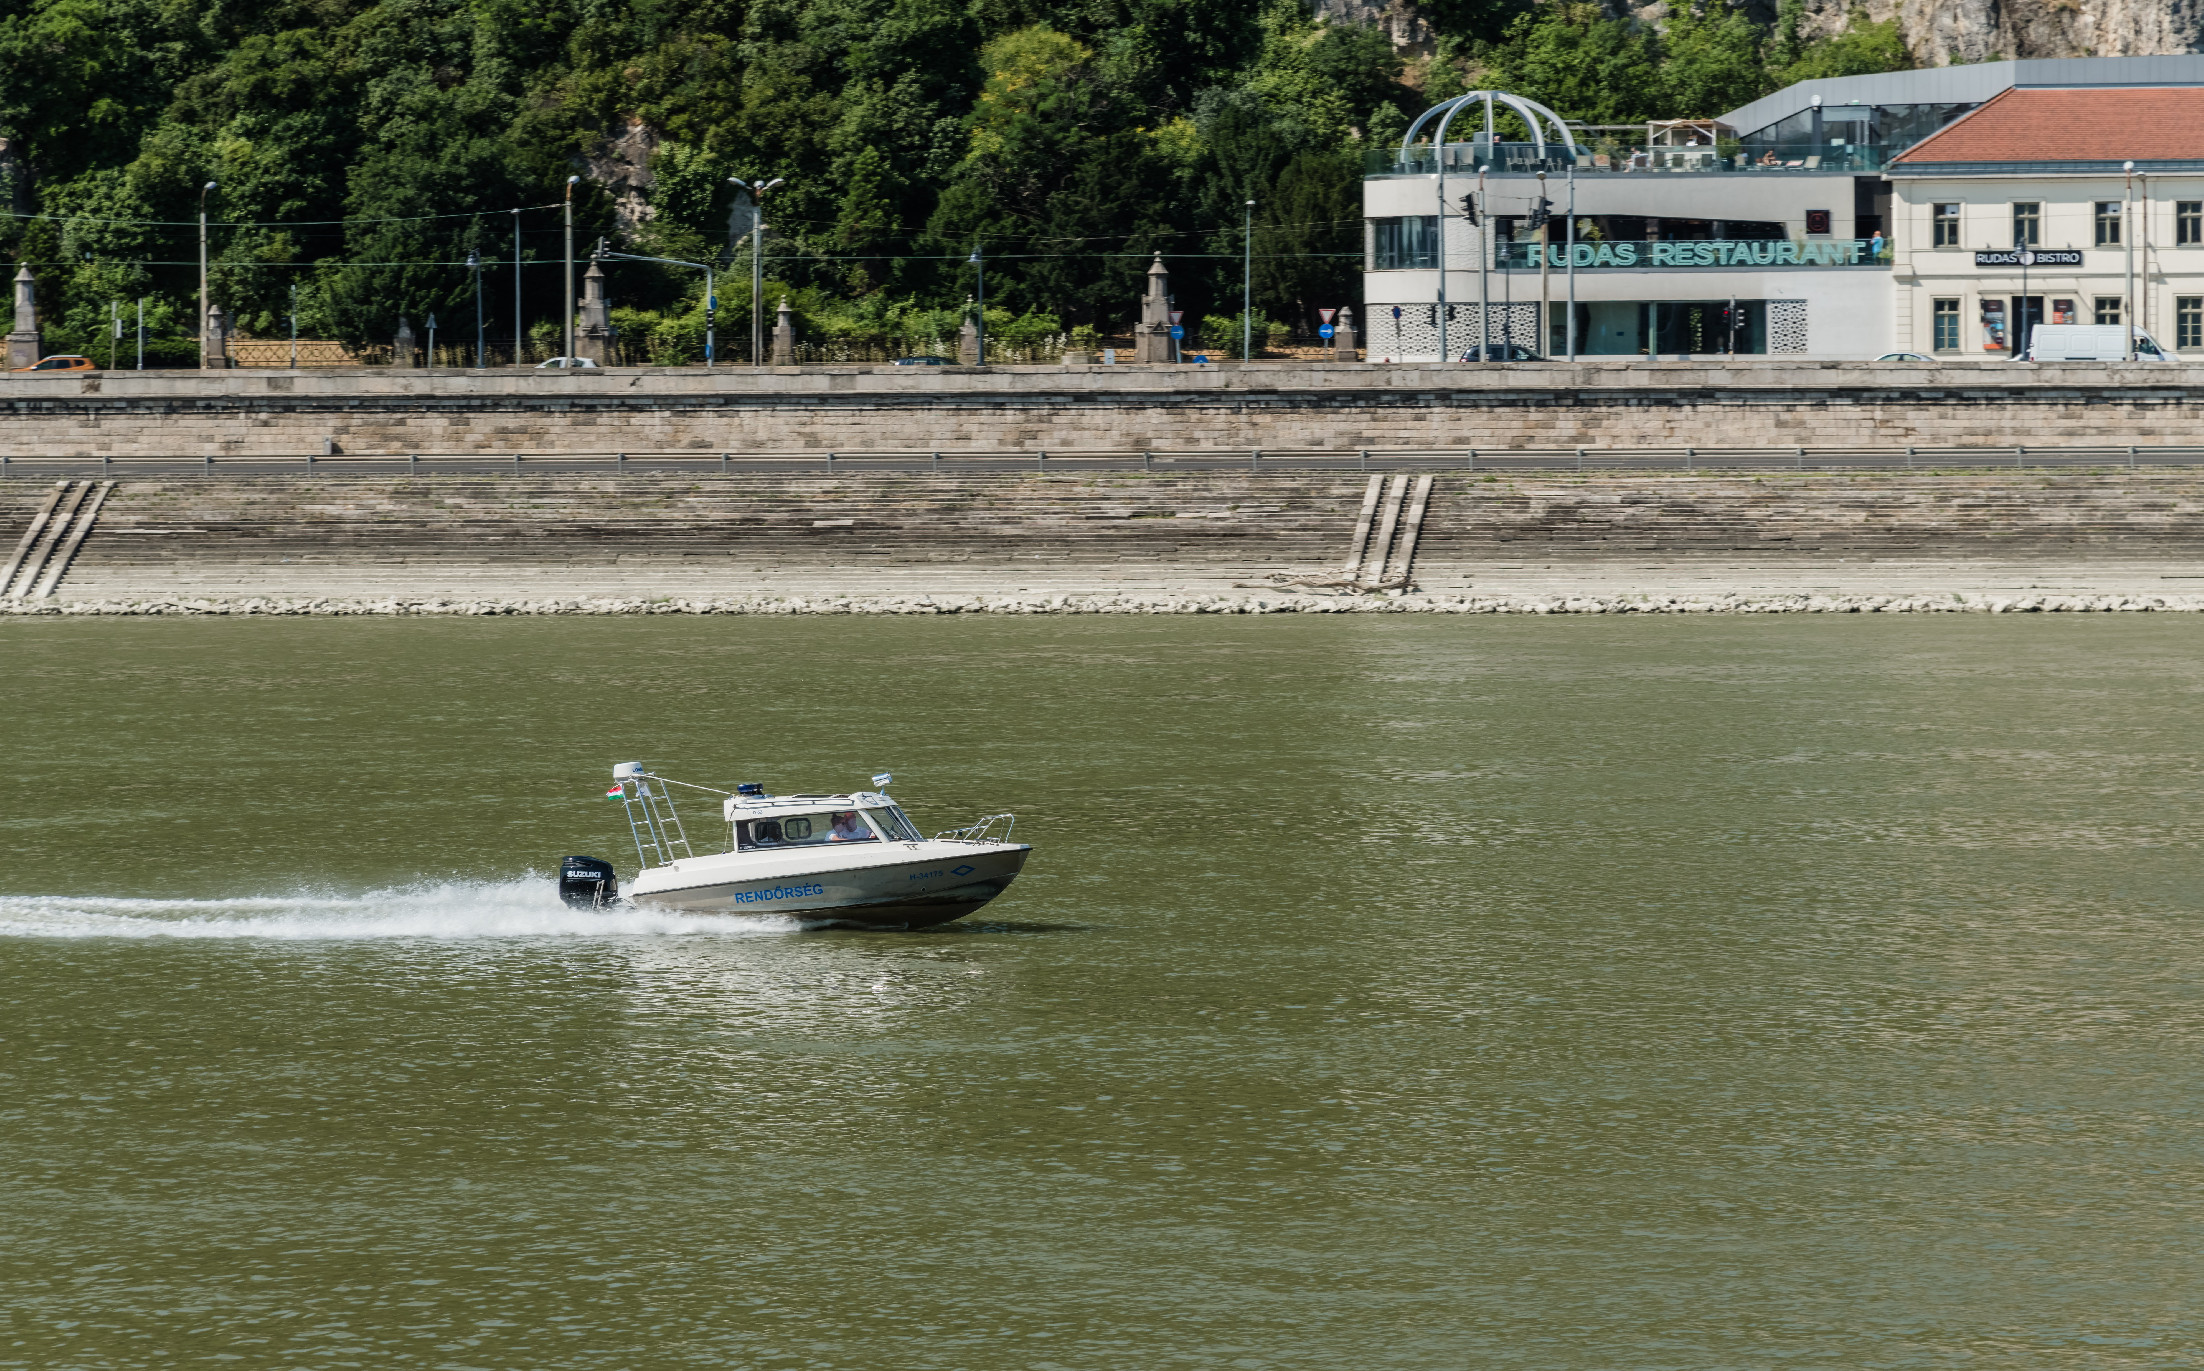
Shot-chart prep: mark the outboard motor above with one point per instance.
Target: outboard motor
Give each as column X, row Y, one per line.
column 587, row 883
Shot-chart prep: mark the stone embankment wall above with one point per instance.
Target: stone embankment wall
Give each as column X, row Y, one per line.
column 1277, row 406
column 1273, row 521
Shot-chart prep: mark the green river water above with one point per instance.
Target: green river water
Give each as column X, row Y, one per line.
column 1382, row 993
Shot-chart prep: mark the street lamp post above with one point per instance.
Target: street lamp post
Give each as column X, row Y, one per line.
column 294, row 326
column 1570, row 236
column 432, row 340
column 1545, row 273
column 519, row 358
column 757, row 191
column 2127, row 255
column 474, row 264
column 567, row 310
column 203, row 271
column 979, row 326
column 1484, row 262
column 1247, row 282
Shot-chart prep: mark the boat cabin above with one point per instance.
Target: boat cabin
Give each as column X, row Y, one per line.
column 758, row 821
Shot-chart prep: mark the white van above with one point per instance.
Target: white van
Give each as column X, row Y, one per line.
column 2090, row 343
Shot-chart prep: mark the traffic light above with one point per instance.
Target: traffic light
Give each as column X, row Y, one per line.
column 1469, row 210
column 1542, row 210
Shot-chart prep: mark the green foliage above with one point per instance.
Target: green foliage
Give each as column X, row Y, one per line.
column 362, row 149
column 1706, row 59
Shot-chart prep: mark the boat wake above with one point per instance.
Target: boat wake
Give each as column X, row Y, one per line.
column 527, row 908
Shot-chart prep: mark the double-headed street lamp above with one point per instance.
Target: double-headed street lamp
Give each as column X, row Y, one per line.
column 203, row 272
column 757, row 191
column 568, row 308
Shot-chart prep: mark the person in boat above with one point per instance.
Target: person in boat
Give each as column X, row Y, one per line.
column 848, row 828
column 765, row 833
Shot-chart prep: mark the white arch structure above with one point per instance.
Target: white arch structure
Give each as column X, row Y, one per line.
column 1532, row 114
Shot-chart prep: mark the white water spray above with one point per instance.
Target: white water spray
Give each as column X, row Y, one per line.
column 528, row 908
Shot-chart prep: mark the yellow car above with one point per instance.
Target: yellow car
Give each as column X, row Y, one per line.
column 61, row 362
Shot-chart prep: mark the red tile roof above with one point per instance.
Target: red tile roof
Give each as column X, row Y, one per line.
column 2143, row 124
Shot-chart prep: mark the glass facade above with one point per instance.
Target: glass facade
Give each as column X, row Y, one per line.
column 1405, row 243
column 1896, row 127
column 1636, row 328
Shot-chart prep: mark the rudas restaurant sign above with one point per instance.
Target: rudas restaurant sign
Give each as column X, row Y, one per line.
column 2040, row 257
column 1763, row 252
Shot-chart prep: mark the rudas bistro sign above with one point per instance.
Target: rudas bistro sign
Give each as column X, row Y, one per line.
column 2026, row 257
column 1764, row 252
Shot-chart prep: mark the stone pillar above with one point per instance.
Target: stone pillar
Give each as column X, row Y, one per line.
column 25, row 344
column 402, row 346
column 968, row 338
column 214, row 349
column 1343, row 335
column 784, row 336
column 593, row 338
column 1152, row 335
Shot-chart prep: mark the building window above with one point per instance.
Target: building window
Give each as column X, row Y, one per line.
column 2027, row 224
column 2188, row 321
column 1405, row 244
column 2108, row 224
column 1945, row 220
column 1947, row 326
column 2188, row 222
column 2108, row 309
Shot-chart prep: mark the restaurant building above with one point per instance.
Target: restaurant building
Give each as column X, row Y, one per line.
column 1792, row 226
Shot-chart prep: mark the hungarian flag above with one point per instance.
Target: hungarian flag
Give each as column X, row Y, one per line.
column 616, row 793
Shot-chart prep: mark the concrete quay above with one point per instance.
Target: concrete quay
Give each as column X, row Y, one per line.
column 1129, row 542
column 1283, row 406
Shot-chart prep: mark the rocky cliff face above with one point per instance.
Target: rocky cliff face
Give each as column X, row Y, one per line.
column 1948, row 32
column 1937, row 32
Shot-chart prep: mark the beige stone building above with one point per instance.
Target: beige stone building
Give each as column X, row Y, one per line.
column 2079, row 205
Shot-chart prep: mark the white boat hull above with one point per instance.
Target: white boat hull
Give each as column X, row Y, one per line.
column 894, row 885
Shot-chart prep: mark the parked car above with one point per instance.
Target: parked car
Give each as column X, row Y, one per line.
column 1904, row 357
column 1500, row 352
column 2089, row 343
column 557, row 363
column 66, row 361
column 922, row 361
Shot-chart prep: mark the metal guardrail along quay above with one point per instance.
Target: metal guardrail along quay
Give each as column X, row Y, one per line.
column 692, row 462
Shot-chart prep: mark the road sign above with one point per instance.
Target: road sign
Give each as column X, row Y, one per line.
column 1177, row 315
column 2027, row 258
column 1396, row 314
column 1177, row 332
column 712, row 303
column 1326, row 331
column 1325, row 316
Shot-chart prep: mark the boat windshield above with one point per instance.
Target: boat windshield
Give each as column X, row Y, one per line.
column 892, row 822
column 804, row 830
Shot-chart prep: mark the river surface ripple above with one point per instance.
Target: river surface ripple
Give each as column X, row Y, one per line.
column 1383, row 993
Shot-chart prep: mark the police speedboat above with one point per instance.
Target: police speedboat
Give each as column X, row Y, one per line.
column 852, row 859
